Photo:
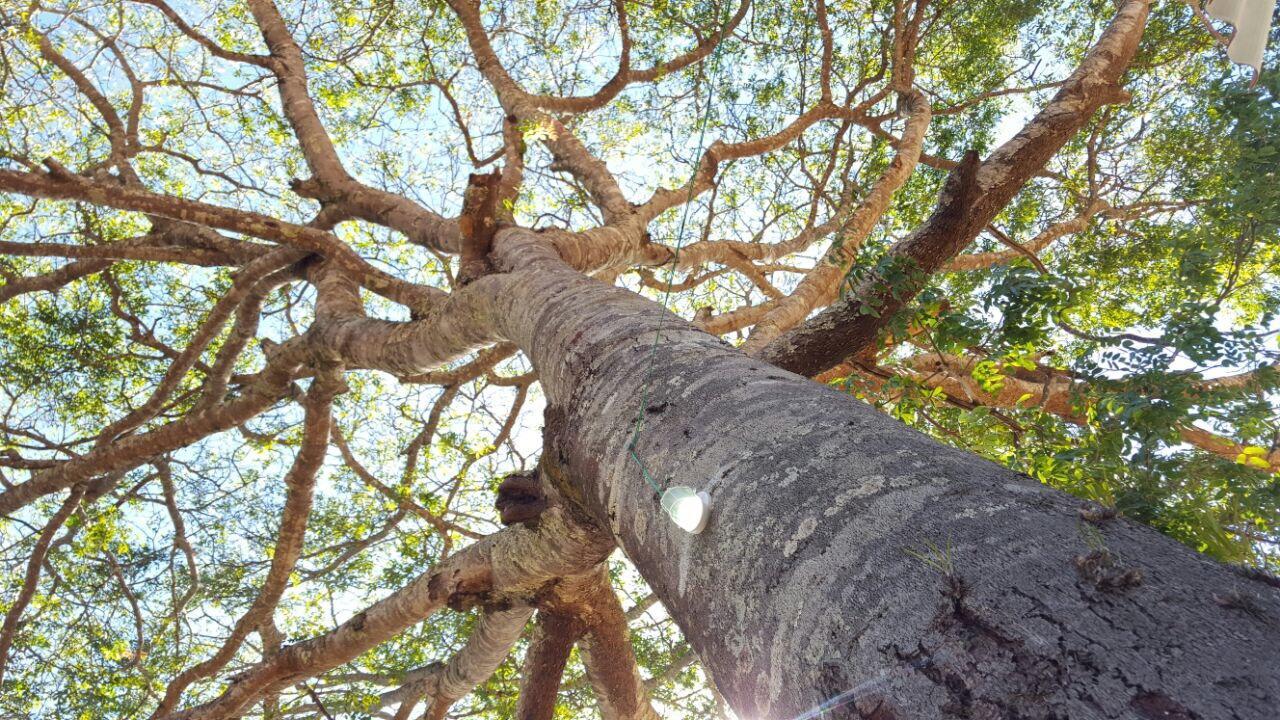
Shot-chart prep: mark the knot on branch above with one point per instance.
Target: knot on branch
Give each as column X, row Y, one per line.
column 333, row 198
column 1101, row 568
column 270, row 348
column 461, row 587
column 478, row 223
column 311, row 188
column 58, row 171
column 329, row 383
column 961, row 187
column 1097, row 513
column 1116, row 95
column 520, row 498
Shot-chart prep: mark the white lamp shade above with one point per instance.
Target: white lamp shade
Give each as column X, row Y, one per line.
column 688, row 508
column 1252, row 22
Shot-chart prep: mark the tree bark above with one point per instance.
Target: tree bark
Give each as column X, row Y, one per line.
column 853, row 562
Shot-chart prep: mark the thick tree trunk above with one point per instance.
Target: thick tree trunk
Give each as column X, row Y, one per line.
column 854, row 562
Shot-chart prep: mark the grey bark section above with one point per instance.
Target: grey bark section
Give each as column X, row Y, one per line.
column 814, row 581
column 486, row 648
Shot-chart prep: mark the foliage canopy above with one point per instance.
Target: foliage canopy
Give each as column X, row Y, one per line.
column 1113, row 331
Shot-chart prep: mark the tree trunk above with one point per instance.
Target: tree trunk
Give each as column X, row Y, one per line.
column 853, row 563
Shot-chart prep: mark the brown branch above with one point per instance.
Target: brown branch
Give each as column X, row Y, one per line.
column 181, row 542
column 1240, row 381
column 287, row 64
column 609, row 658
column 300, row 484
column 117, row 134
column 513, row 563
column 139, row 633
column 699, row 52
column 442, row 684
column 208, row 44
column 570, row 153
column 245, row 327
column 1051, row 390
column 141, row 248
column 719, row 152
column 822, row 284
column 492, row 66
column 478, row 222
column 267, row 387
column 32, row 576
column 241, row 288
column 973, row 195
column 330, row 182
column 57, row 187
column 1046, row 237
column 400, row 498
column 52, row 280
column 554, row 634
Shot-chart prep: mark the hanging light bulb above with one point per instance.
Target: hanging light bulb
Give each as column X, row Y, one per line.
column 688, row 508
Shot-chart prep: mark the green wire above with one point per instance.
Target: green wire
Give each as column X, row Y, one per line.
column 666, row 295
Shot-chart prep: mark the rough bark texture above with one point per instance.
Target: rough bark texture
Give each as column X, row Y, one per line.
column 486, row 648
column 478, row 223
column 553, row 638
column 610, row 662
column 849, row 558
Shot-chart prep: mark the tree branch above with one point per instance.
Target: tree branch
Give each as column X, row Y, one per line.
column 975, row 192
column 510, row 565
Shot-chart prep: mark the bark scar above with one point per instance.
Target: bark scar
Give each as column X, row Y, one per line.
column 520, row 498
column 478, row 223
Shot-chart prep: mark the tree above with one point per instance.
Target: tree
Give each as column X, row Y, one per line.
column 296, row 294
